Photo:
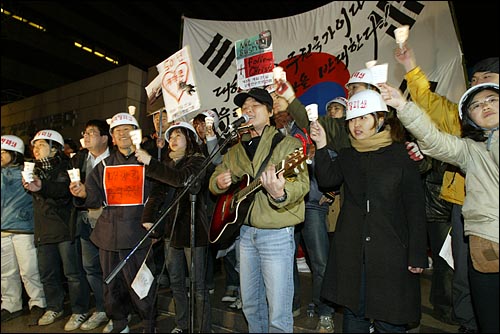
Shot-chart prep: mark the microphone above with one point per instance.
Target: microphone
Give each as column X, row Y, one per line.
column 235, row 125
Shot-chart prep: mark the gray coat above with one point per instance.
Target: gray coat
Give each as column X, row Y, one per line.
column 480, row 209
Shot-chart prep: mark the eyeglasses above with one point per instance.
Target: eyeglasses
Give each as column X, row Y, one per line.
column 89, row 133
column 489, row 101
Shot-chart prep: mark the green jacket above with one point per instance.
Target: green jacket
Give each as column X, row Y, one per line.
column 264, row 212
column 337, row 136
column 444, row 114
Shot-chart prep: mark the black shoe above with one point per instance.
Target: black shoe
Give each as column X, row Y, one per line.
column 35, row 314
column 463, row 329
column 6, row 315
column 441, row 316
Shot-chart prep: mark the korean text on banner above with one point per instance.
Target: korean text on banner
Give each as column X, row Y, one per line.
column 321, row 48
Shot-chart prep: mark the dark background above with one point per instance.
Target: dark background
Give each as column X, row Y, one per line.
column 143, row 33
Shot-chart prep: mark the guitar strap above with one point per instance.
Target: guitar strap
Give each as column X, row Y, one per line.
column 276, row 139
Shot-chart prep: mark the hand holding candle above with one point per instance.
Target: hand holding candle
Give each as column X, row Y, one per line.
column 74, row 174
column 401, row 35
column 312, row 112
column 136, row 136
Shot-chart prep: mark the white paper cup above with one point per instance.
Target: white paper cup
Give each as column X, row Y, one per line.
column 279, row 74
column 136, row 136
column 312, row 112
column 131, row 110
column 27, row 176
column 209, row 122
column 401, row 34
column 371, row 63
column 29, row 166
column 74, row 174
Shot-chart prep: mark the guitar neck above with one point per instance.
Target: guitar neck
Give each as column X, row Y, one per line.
column 255, row 185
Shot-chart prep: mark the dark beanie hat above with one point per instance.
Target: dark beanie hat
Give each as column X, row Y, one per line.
column 486, row 65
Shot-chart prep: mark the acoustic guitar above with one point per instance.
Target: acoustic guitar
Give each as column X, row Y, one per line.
column 232, row 206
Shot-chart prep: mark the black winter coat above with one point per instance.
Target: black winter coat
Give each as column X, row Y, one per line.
column 171, row 175
column 118, row 227
column 52, row 206
column 381, row 223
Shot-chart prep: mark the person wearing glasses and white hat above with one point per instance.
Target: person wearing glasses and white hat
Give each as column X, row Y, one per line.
column 477, row 155
column 118, row 185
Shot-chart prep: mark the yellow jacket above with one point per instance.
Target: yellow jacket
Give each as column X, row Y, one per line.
column 444, row 113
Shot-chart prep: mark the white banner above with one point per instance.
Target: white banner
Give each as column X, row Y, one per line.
column 319, row 49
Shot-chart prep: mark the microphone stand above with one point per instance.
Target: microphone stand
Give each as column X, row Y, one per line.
column 190, row 185
column 193, row 190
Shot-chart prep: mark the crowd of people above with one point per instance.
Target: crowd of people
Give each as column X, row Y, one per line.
column 404, row 174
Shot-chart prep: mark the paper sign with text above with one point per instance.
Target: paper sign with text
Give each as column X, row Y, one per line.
column 124, row 185
column 179, row 90
column 255, row 61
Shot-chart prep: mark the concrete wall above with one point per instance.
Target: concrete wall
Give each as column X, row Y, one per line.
column 66, row 109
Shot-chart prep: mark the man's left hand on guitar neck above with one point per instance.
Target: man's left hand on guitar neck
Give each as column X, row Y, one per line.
column 274, row 184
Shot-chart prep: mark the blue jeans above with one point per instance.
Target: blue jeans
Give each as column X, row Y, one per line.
column 50, row 257
column 355, row 322
column 315, row 235
column 178, row 264
column 266, row 278
column 232, row 276
column 92, row 267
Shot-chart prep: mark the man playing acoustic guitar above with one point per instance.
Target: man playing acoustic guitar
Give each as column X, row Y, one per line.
column 270, row 208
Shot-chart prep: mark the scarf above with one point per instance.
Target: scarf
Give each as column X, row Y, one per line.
column 176, row 155
column 48, row 163
column 373, row 143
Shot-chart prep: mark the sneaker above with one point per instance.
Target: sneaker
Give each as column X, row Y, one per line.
column 95, row 320
column 325, row 324
column 296, row 312
column 35, row 314
column 75, row 321
column 211, row 291
column 125, row 330
column 109, row 326
column 178, row 330
column 6, row 315
column 49, row 317
column 230, row 296
column 237, row 305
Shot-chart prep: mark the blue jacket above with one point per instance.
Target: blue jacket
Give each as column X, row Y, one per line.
column 17, row 204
